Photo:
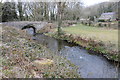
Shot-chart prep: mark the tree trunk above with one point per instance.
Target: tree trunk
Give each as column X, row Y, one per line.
column 59, row 17
column 20, row 11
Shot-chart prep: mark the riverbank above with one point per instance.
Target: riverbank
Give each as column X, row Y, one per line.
column 94, row 39
column 19, row 52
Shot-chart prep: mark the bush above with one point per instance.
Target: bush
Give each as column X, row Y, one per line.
column 100, row 24
column 101, row 20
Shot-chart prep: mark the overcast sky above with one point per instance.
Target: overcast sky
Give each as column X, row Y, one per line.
column 92, row 2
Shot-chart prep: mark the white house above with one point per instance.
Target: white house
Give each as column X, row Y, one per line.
column 110, row 16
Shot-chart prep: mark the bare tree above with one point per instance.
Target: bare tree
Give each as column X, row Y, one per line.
column 20, row 10
column 60, row 14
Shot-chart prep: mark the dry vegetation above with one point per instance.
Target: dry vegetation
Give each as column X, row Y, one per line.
column 19, row 52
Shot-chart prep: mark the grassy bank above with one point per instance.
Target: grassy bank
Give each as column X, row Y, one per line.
column 96, row 33
column 19, row 52
column 100, row 40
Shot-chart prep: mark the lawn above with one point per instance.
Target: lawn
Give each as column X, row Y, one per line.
column 103, row 34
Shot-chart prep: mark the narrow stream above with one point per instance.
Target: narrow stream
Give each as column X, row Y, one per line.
column 90, row 65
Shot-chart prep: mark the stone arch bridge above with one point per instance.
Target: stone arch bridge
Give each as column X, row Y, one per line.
column 36, row 25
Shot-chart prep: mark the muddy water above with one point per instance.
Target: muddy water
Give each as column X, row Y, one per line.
column 90, row 65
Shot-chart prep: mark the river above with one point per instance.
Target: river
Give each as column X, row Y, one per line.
column 89, row 65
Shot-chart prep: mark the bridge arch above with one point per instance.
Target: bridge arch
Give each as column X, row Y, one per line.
column 29, row 26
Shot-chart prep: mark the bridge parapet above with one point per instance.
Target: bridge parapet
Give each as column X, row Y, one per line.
column 20, row 24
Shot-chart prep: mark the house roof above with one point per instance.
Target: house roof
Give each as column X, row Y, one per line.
column 109, row 15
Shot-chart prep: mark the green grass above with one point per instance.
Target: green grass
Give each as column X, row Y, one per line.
column 96, row 33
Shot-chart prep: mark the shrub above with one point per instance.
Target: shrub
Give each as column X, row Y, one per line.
column 101, row 20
